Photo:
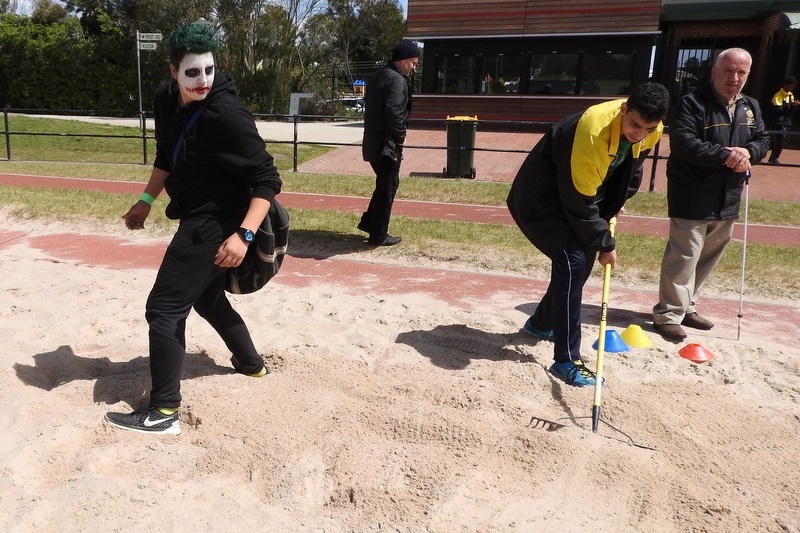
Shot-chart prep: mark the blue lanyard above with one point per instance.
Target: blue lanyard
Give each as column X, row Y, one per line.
column 189, row 125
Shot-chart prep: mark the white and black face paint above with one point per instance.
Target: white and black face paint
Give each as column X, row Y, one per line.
column 195, row 76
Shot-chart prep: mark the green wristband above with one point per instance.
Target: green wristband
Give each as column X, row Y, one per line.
column 147, row 198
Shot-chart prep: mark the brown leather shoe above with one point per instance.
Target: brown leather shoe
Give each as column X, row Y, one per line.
column 670, row 331
column 693, row 320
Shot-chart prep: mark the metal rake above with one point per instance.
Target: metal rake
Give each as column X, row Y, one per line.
column 541, row 423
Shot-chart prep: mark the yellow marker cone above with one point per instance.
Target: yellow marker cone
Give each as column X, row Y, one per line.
column 635, row 337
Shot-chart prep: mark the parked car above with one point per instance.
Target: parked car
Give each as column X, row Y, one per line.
column 351, row 103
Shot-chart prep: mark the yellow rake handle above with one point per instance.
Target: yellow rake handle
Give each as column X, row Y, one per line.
column 601, row 341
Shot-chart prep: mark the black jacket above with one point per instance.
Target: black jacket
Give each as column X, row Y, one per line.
column 222, row 161
column 699, row 185
column 554, row 194
column 387, row 103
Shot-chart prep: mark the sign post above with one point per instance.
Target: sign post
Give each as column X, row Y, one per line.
column 144, row 41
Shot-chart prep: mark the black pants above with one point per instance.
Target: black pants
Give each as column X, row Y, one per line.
column 778, row 140
column 560, row 308
column 188, row 278
column 376, row 218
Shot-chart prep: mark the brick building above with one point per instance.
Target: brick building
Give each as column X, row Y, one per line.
column 537, row 60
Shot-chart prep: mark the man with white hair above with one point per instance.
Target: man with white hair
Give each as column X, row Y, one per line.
column 716, row 133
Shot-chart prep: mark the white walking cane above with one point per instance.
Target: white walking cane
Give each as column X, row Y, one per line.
column 744, row 252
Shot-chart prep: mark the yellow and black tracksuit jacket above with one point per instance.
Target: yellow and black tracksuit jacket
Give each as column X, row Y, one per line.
column 554, row 194
column 781, row 107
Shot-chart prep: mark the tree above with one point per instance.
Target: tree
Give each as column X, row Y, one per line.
column 271, row 49
column 9, row 6
column 267, row 83
column 349, row 32
column 379, row 25
column 54, row 66
column 46, row 12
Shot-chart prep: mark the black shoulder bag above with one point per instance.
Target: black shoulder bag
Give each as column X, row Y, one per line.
column 265, row 254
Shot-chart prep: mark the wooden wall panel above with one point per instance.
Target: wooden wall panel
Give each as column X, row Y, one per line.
column 590, row 16
column 444, row 18
column 465, row 17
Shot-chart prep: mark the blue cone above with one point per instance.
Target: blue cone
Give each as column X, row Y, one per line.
column 614, row 343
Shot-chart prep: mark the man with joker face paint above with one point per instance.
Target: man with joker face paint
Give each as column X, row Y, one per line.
column 213, row 165
column 195, row 76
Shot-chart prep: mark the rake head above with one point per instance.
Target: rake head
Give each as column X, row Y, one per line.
column 541, row 423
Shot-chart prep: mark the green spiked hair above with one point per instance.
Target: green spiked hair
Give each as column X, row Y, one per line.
column 190, row 39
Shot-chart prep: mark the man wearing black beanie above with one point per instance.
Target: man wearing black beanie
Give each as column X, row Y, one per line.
column 387, row 102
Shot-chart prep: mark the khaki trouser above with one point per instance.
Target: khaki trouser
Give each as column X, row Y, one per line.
column 693, row 250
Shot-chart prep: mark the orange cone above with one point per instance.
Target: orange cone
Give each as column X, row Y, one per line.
column 695, row 353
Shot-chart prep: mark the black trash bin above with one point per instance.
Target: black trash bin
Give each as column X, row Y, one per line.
column 460, row 146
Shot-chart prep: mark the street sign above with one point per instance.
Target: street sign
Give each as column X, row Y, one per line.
column 150, row 37
column 148, row 46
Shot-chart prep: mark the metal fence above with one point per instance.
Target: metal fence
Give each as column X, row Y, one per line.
column 297, row 121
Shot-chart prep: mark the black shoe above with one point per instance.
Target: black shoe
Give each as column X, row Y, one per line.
column 388, row 241
column 774, row 162
column 149, row 420
column 693, row 320
column 362, row 227
column 671, row 332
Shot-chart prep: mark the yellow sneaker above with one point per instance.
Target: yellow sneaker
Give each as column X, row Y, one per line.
column 260, row 374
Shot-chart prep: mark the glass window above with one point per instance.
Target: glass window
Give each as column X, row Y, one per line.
column 553, row 73
column 457, row 75
column 606, row 73
column 500, row 74
column 589, row 73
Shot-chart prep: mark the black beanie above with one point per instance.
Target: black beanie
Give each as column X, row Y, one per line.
column 404, row 50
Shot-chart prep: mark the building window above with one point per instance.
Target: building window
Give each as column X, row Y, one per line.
column 553, row 73
column 457, row 75
column 495, row 74
column 500, row 74
column 556, row 73
column 606, row 73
